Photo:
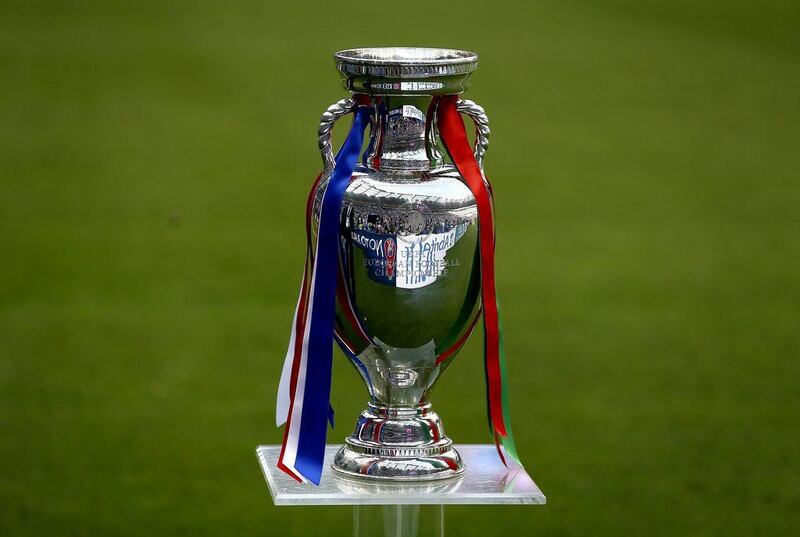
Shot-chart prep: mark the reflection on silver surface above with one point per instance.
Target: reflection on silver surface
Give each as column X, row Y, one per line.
column 405, row 62
column 409, row 252
column 485, row 481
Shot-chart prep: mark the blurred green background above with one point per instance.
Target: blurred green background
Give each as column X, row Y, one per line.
column 154, row 161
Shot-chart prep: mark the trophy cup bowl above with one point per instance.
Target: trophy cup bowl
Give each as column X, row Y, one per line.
column 409, row 258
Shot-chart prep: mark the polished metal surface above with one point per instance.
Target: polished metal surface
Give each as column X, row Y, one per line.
column 406, row 62
column 398, row 444
column 485, row 481
column 329, row 117
column 482, row 132
column 405, row 70
column 409, row 252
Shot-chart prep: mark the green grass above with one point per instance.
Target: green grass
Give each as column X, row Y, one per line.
column 154, row 161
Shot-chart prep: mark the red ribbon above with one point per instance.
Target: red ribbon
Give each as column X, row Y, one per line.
column 454, row 136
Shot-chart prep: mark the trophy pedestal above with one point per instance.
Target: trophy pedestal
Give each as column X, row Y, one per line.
column 398, row 444
column 405, row 509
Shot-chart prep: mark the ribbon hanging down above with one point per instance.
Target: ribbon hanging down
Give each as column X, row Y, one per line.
column 454, row 136
column 304, row 392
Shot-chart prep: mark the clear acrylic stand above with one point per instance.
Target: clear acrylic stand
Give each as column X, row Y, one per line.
column 406, row 509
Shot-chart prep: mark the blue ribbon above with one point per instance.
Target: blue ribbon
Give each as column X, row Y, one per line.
column 316, row 397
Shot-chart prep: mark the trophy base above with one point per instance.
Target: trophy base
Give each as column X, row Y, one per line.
column 398, row 444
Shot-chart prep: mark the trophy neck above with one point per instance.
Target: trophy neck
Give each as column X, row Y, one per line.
column 398, row 412
column 405, row 137
column 404, row 83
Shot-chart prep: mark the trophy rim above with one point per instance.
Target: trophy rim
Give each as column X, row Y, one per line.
column 406, row 62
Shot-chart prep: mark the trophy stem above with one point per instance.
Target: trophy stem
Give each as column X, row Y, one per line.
column 398, row 443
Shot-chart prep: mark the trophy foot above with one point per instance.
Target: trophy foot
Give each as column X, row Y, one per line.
column 400, row 444
column 399, row 468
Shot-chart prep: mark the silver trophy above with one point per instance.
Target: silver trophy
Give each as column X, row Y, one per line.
column 409, row 252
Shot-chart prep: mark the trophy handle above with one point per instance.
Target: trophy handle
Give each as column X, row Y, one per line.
column 481, row 120
column 328, row 120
